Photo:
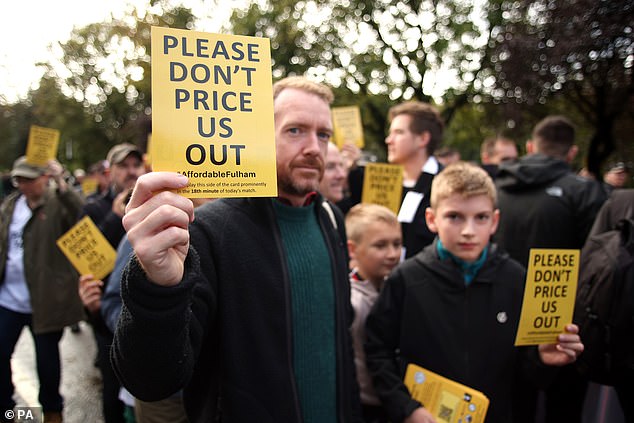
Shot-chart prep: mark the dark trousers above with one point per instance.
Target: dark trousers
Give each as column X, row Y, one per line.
column 112, row 406
column 624, row 388
column 374, row 414
column 565, row 396
column 46, row 356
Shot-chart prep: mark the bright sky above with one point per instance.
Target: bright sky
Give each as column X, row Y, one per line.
column 30, row 26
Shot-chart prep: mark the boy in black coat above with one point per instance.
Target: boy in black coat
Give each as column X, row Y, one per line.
column 454, row 308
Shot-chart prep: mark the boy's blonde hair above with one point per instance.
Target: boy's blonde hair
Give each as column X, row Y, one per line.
column 462, row 178
column 362, row 215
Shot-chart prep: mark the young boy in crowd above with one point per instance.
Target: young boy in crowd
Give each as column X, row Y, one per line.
column 374, row 244
column 454, row 308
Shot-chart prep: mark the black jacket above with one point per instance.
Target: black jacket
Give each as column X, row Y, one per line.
column 109, row 223
column 224, row 334
column 427, row 316
column 416, row 234
column 543, row 204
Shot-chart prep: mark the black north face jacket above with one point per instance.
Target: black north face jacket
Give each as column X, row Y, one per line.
column 543, row 204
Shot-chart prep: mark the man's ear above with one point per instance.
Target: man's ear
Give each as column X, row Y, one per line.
column 572, row 153
column 423, row 139
column 530, row 147
column 430, row 219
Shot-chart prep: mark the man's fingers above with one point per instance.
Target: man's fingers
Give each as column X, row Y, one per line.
column 150, row 183
column 165, row 207
column 164, row 240
column 157, row 222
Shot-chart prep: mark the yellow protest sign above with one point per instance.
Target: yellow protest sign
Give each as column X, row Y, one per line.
column 42, row 145
column 448, row 401
column 347, row 126
column 212, row 112
column 89, row 186
column 87, row 249
column 549, row 296
column 383, row 184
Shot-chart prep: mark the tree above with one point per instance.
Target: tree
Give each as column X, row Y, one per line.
column 391, row 50
column 581, row 50
column 105, row 67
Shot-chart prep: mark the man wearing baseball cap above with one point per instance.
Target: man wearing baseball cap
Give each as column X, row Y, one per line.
column 37, row 282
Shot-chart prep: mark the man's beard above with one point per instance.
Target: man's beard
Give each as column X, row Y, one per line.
column 289, row 186
column 300, row 187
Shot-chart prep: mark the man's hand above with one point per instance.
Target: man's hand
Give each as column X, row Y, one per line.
column 90, row 290
column 56, row 171
column 157, row 221
column 119, row 202
column 420, row 415
column 565, row 351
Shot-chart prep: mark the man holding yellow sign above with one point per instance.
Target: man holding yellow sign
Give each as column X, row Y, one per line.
column 38, row 283
column 247, row 307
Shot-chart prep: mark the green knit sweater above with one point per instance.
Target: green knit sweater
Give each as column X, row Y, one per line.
column 312, row 297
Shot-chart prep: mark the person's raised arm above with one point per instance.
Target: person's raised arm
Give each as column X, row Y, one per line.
column 156, row 221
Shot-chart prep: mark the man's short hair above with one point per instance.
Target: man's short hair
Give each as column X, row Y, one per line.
column 488, row 145
column 362, row 215
column 302, row 83
column 99, row 167
column 446, row 152
column 462, row 178
column 425, row 118
column 554, row 136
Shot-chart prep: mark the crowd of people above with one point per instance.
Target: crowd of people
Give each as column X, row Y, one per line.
column 307, row 307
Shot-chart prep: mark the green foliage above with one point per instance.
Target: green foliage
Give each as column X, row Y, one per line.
column 576, row 53
column 510, row 63
column 102, row 95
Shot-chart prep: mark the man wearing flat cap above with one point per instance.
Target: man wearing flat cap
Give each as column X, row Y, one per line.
column 125, row 166
column 37, row 282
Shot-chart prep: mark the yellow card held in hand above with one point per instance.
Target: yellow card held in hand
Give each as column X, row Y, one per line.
column 89, row 186
column 87, row 249
column 347, row 126
column 212, row 113
column 448, row 401
column 42, row 145
column 549, row 296
column 383, row 184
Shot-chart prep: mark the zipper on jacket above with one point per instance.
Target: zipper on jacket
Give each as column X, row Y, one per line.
column 339, row 310
column 287, row 311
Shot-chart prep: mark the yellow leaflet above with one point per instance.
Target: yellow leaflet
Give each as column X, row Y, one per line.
column 212, row 112
column 347, row 125
column 87, row 249
column 383, row 184
column 448, row 401
column 549, row 296
column 42, row 145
